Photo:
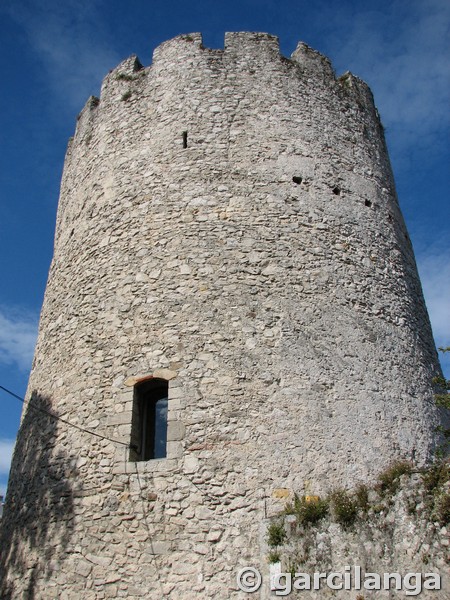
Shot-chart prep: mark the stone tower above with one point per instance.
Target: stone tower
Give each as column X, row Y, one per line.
column 233, row 313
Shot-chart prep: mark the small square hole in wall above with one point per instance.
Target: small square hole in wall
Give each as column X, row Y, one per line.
column 368, row 203
column 297, row 179
column 336, row 191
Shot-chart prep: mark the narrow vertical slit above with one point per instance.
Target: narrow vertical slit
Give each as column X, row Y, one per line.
column 184, row 139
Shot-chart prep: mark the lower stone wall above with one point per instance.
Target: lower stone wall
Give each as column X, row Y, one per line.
column 399, row 526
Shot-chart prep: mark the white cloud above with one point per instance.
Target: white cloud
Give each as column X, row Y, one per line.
column 18, row 330
column 6, row 450
column 70, row 42
column 402, row 53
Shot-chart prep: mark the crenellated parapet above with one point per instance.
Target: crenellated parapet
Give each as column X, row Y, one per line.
column 312, row 63
column 260, row 50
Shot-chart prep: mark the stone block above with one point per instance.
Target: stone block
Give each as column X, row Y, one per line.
column 175, row 431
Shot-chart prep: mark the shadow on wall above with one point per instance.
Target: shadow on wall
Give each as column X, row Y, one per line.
column 38, row 513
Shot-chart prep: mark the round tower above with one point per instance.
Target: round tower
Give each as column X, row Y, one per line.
column 233, row 314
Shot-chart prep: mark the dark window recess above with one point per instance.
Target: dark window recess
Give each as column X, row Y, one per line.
column 367, row 202
column 336, row 191
column 149, row 420
column 296, row 179
column 184, row 139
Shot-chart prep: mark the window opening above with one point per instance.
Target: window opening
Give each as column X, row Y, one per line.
column 184, row 139
column 336, row 191
column 297, row 179
column 149, row 420
column 368, row 203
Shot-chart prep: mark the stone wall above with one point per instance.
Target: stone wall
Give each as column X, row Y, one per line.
column 264, row 270
column 402, row 531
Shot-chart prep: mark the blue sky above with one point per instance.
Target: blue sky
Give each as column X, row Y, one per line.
column 54, row 54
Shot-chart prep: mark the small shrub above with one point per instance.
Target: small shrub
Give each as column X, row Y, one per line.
column 292, row 569
column 289, row 509
column 389, row 479
column 411, row 507
column 274, row 557
column 442, row 450
column 435, row 479
column 127, row 95
column 275, row 535
column 442, row 386
column 309, row 513
column 344, row 507
column 362, row 497
column 436, row 476
column 442, row 508
column 124, row 77
column 345, row 80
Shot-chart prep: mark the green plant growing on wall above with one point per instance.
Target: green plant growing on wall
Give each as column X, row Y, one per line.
column 125, row 77
column 435, row 481
column 362, row 497
column 291, row 568
column 389, row 479
column 276, row 534
column 442, row 399
column 442, row 508
column 344, row 507
column 309, row 512
column 435, row 477
column 356, row 506
column 274, row 557
column 289, row 509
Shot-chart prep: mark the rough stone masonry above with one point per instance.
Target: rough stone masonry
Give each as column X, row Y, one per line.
column 228, row 227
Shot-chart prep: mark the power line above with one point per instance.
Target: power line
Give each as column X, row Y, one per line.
column 50, row 414
column 212, row 498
